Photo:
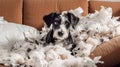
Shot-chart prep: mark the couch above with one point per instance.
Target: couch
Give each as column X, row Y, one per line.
column 30, row 12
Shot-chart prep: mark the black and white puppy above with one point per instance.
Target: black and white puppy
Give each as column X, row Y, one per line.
column 60, row 25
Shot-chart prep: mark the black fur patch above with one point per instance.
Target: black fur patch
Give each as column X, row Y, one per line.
column 49, row 19
column 49, row 37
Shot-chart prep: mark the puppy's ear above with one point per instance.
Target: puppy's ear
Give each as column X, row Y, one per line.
column 49, row 38
column 50, row 18
column 73, row 19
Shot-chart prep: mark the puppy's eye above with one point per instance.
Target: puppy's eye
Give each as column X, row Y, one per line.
column 56, row 23
column 66, row 23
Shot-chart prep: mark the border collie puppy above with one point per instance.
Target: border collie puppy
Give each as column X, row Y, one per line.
column 60, row 25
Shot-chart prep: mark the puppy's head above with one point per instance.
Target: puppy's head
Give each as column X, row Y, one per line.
column 60, row 25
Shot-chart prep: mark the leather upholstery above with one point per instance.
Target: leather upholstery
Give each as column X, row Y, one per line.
column 11, row 10
column 72, row 4
column 110, row 52
column 34, row 10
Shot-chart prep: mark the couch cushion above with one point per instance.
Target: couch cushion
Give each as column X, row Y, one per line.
column 72, row 4
column 95, row 5
column 11, row 10
column 34, row 10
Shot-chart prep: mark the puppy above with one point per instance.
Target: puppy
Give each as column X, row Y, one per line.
column 60, row 25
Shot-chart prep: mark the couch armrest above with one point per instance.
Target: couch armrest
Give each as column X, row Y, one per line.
column 110, row 52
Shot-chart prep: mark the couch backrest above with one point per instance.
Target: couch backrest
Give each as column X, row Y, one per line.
column 31, row 12
column 11, row 10
column 34, row 10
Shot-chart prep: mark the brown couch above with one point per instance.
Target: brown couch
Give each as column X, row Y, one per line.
column 30, row 12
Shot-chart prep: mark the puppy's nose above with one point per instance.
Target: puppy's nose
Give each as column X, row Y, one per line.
column 60, row 33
